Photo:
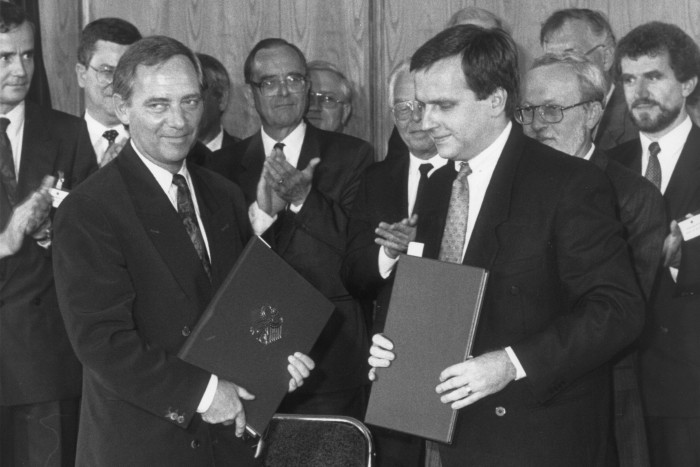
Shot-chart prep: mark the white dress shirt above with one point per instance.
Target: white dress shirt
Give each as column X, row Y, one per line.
column 217, row 141
column 99, row 142
column 165, row 180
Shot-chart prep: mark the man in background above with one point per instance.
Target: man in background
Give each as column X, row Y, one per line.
column 40, row 377
column 330, row 98
column 216, row 95
column 588, row 33
column 102, row 43
column 561, row 104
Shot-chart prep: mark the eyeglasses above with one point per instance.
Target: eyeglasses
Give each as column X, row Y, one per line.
column 269, row 87
column 548, row 113
column 105, row 74
column 408, row 109
column 593, row 49
column 325, row 100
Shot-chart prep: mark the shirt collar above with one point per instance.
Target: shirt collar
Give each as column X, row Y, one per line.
column 589, row 154
column 162, row 176
column 487, row 159
column 671, row 142
column 218, row 140
column 16, row 118
column 436, row 160
column 292, row 143
column 96, row 129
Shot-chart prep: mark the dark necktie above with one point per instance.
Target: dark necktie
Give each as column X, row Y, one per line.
column 110, row 136
column 185, row 208
column 7, row 164
column 653, row 173
column 419, row 204
column 455, row 232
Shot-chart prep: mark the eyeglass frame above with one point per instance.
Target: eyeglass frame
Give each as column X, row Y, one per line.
column 101, row 73
column 278, row 82
column 329, row 97
column 518, row 111
column 415, row 106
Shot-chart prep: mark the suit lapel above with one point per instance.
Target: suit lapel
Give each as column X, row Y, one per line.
column 437, row 193
column 495, row 209
column 684, row 182
column 39, row 151
column 163, row 225
column 251, row 167
column 310, row 148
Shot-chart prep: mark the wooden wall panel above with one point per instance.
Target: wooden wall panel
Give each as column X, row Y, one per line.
column 365, row 38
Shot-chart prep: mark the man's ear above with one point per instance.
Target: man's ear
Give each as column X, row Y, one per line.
column 347, row 112
column 121, row 108
column 248, row 93
column 687, row 87
column 594, row 112
column 80, row 71
column 223, row 100
column 498, row 100
column 608, row 58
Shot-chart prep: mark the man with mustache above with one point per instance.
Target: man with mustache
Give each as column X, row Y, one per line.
column 658, row 66
column 40, row 376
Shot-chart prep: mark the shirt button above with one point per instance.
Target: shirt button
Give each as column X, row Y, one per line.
column 186, row 331
column 194, row 444
column 500, row 411
column 664, row 329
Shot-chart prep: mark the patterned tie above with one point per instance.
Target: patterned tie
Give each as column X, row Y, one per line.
column 185, row 208
column 653, row 173
column 419, row 204
column 455, row 231
column 110, row 136
column 7, row 164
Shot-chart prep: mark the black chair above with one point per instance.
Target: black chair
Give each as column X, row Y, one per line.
column 316, row 440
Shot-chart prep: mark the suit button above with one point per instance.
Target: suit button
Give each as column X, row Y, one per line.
column 664, row 329
column 181, row 419
column 186, row 331
column 173, row 416
column 194, row 444
column 514, row 290
column 500, row 411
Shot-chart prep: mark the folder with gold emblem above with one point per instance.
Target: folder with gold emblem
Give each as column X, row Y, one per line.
column 432, row 321
column 263, row 312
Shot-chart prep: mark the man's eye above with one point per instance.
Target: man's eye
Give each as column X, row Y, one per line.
column 28, row 56
column 192, row 103
column 157, row 107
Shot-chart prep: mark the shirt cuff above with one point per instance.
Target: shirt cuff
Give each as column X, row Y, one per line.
column 208, row 396
column 386, row 264
column 259, row 219
column 519, row 370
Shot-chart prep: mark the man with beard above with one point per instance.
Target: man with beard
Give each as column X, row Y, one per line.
column 658, row 65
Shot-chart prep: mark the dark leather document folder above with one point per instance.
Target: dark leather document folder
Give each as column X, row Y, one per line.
column 263, row 312
column 431, row 320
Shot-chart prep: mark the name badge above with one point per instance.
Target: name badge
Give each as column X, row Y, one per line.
column 690, row 228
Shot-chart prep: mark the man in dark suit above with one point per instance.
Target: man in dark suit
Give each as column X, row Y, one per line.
column 396, row 197
column 588, row 33
column 561, row 103
column 216, row 95
column 561, row 298
column 140, row 250
column 658, row 65
column 39, row 373
column 102, row 43
column 300, row 182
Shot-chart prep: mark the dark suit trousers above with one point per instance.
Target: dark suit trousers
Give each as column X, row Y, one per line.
column 674, row 442
column 43, row 434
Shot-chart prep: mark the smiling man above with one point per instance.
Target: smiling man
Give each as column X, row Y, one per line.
column 300, row 183
column 561, row 298
column 330, row 103
column 658, row 66
column 154, row 236
column 102, row 43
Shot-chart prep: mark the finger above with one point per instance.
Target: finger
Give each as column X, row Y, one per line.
column 240, row 423
column 308, row 361
column 378, row 362
column 47, row 182
column 227, row 423
column 299, row 366
column 309, row 170
column 378, row 352
column 292, row 385
column 382, row 341
column 397, row 247
column 413, row 220
column 243, row 393
column 372, row 375
column 456, row 394
column 473, row 397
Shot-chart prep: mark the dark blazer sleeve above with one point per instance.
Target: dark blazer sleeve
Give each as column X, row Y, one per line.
column 605, row 311
column 97, row 297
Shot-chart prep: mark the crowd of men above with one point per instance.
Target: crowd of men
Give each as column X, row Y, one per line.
column 567, row 182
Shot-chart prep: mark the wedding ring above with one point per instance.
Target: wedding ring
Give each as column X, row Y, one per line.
column 280, row 181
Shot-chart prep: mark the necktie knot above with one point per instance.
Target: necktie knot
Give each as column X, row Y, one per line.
column 425, row 169
column 110, row 136
column 4, row 123
column 279, row 146
column 654, row 149
column 464, row 170
column 180, row 182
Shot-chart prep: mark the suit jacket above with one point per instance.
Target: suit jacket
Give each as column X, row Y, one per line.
column 37, row 363
column 383, row 197
column 562, row 294
column 641, row 209
column 670, row 363
column 229, row 140
column 131, row 287
column 616, row 125
column 313, row 241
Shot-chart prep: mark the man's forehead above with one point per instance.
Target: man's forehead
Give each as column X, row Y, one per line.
column 441, row 80
column 404, row 88
column 21, row 34
column 279, row 59
column 325, row 79
column 551, row 84
column 574, row 35
column 175, row 71
column 645, row 63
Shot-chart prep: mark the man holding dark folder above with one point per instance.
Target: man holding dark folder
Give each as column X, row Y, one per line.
column 561, row 298
column 139, row 252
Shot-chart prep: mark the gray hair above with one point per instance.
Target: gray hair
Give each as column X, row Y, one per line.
column 592, row 82
column 404, row 66
column 469, row 14
column 345, row 84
